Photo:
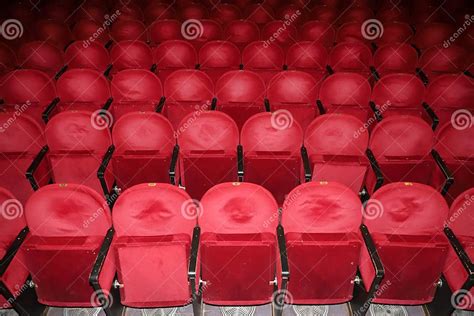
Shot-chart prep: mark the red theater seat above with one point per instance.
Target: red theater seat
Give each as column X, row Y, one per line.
column 318, row 32
column 437, row 61
column 355, row 14
column 336, row 145
column 208, row 143
column 272, row 153
column 240, row 94
column 460, row 234
column 395, row 32
column 351, row 57
column 80, row 146
column 86, row 29
column 234, row 235
column 158, row 11
column 209, row 30
column 68, row 242
column 187, row 91
column 144, row 143
column 91, row 56
column 296, row 92
column 41, row 56
column 287, row 34
column 164, row 30
column 395, row 58
column 405, row 221
column 136, row 90
column 225, row 13
column 308, row 57
column 346, row 93
column 218, row 57
column 242, row 32
column 150, row 224
column 54, row 32
column 260, row 13
column 266, row 60
column 352, row 33
column 432, row 34
column 13, row 273
column 123, row 30
column 131, row 54
column 193, row 10
column 173, row 55
column 321, row 222
column 324, row 13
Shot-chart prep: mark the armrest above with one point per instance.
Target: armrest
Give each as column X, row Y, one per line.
column 376, row 168
column 377, row 264
column 266, row 104
column 30, row 172
column 374, row 73
column 108, row 69
column 107, row 105
column 49, row 109
column 97, row 269
column 197, row 66
column 213, row 104
column 108, row 44
column 469, row 74
column 329, row 70
column 285, row 269
column 434, row 118
column 160, row 105
column 463, row 257
column 449, row 179
column 60, row 72
column 103, row 166
column 422, row 76
column 174, row 161
column 308, row 175
column 320, row 106
column 12, row 250
column 378, row 115
column 153, row 68
column 240, row 163
column 194, row 254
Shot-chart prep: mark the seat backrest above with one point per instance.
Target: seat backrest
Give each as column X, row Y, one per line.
column 225, row 13
column 432, row 34
column 163, row 30
column 350, row 56
column 158, row 11
column 240, row 86
column 83, row 86
column 395, row 58
column 55, row 32
column 395, row 32
column 325, row 13
column 210, row 30
column 136, row 85
column 188, row 85
column 307, row 56
column 242, row 32
column 450, row 91
column 42, row 56
column 293, row 87
column 336, row 134
column 460, row 218
column 131, row 54
column 259, row 13
column 257, row 55
column 93, row 56
column 172, row 54
column 356, row 14
column 85, row 28
column 319, row 32
column 219, row 54
column 124, row 29
column 400, row 136
column 351, row 32
column 23, row 85
column 404, row 91
column 193, row 10
column 345, row 89
column 285, row 37
column 454, row 142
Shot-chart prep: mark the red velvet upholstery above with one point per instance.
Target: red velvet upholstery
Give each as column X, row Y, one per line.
column 76, row 148
column 449, row 93
column 144, row 144
column 266, row 60
column 356, row 14
column 242, row 32
column 240, row 94
column 351, row 32
column 285, row 38
column 19, row 144
column 461, row 222
column 67, row 224
column 395, row 32
column 12, row 221
column 173, row 55
column 296, row 92
column 351, row 57
column 94, row 56
column 402, row 145
column 238, row 252
column 123, row 30
column 193, row 10
column 406, row 224
column 131, row 54
column 346, row 93
column 208, row 150
column 260, row 13
column 431, row 34
column 22, row 85
column 318, row 32
column 151, row 227
column 135, row 90
column 456, row 146
column 395, row 58
column 163, row 30
column 399, row 94
column 187, row 91
column 8, row 60
column 218, row 57
column 225, row 13
column 85, row 28
column 158, row 11
column 42, row 56
column 55, row 32
column 82, row 89
column 309, row 57
column 211, row 31
column 321, row 222
column 272, row 154
column 438, row 60
column 325, row 13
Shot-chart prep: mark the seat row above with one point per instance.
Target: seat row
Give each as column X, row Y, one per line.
column 169, row 250
column 206, row 149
